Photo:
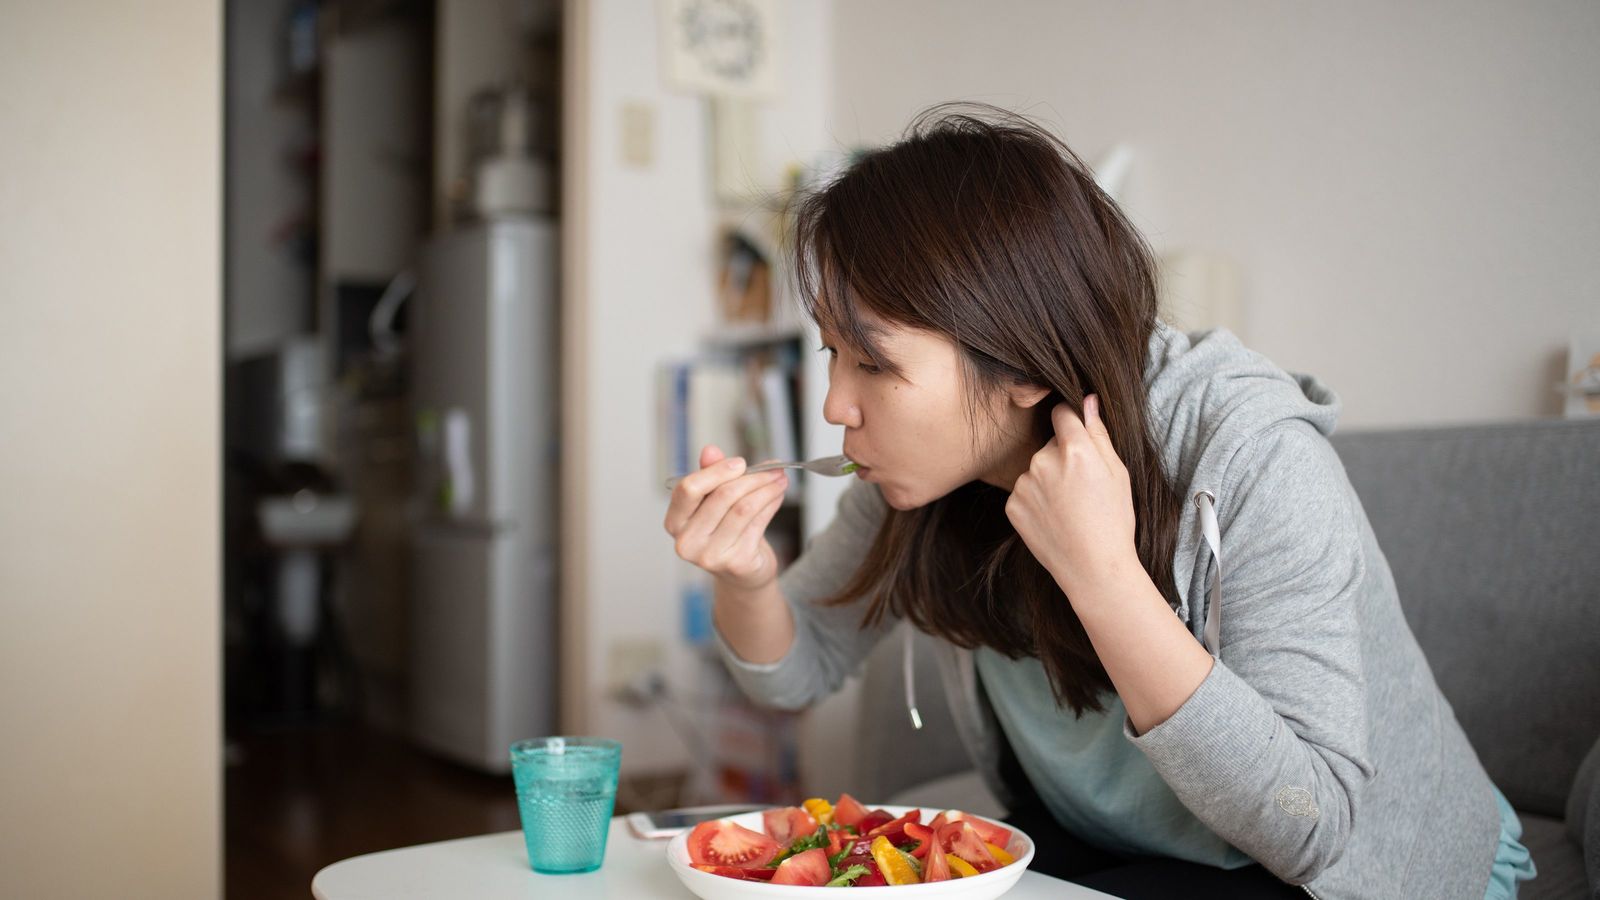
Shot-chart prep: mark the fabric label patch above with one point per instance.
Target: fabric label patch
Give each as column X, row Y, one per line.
column 1296, row 801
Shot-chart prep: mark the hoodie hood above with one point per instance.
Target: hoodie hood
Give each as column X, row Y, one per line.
column 1208, row 396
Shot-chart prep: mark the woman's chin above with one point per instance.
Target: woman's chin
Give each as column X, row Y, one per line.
column 899, row 499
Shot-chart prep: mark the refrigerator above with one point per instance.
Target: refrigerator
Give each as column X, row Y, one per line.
column 484, row 336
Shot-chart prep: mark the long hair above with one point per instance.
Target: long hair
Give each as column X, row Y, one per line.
column 981, row 226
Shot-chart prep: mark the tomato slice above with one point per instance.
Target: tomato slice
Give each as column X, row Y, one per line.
column 922, row 834
column 935, row 867
column 848, row 811
column 991, row 833
column 762, row 874
column 809, row 868
column 784, row 824
column 722, row 843
column 960, row 838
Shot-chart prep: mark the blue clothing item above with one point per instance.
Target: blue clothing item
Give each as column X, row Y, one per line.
column 1097, row 785
column 1512, row 863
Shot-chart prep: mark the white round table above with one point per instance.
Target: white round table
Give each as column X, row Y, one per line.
column 495, row 867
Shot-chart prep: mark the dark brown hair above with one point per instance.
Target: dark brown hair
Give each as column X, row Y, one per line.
column 981, row 226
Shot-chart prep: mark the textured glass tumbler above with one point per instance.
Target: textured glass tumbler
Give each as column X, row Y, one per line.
column 566, row 787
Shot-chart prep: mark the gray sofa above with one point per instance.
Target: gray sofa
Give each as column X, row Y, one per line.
column 1493, row 535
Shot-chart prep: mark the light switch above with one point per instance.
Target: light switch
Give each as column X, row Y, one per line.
column 638, row 134
column 1200, row 290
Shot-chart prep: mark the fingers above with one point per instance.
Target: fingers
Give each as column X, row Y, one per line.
column 1089, row 430
column 696, row 486
column 1096, row 426
column 710, row 455
column 731, row 499
column 739, row 534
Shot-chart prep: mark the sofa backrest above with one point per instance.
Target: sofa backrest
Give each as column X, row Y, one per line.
column 1493, row 535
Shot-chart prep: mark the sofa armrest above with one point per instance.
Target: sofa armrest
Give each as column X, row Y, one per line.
column 1583, row 816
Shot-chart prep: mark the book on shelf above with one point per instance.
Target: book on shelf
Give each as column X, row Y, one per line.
column 743, row 403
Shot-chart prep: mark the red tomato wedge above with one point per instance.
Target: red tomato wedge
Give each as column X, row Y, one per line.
column 991, row 833
column 848, row 811
column 961, row 839
column 722, row 843
column 762, row 874
column 922, row 834
column 935, row 868
column 787, row 823
column 809, row 868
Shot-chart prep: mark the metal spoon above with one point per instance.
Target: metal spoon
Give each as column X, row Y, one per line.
column 831, row 466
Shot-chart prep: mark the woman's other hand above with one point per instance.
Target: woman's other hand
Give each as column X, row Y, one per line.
column 718, row 517
column 1074, row 506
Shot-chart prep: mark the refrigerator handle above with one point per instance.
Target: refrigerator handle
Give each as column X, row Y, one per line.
column 460, row 483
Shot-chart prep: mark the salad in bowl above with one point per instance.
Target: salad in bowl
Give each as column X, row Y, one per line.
column 786, row 851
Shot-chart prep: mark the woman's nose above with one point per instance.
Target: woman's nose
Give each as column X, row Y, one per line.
column 838, row 408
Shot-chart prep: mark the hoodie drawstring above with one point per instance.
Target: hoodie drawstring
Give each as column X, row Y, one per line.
column 1205, row 503
column 906, row 660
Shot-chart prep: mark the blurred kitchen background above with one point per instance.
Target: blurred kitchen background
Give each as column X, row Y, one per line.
column 407, row 307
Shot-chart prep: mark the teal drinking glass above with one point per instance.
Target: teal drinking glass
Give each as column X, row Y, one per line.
column 566, row 788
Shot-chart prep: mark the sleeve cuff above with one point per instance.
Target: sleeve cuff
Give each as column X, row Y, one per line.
column 1221, row 730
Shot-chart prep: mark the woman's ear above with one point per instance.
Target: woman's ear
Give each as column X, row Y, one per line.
column 1027, row 396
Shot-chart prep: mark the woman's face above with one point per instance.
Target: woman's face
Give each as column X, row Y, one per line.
column 912, row 433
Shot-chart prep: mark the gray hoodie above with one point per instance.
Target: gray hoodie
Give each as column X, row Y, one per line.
column 1319, row 744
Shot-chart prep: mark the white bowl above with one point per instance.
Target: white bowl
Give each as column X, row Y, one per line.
column 975, row 887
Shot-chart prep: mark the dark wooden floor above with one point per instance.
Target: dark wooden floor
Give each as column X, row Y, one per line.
column 299, row 800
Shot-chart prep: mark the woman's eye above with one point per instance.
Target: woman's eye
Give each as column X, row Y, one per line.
column 868, row 368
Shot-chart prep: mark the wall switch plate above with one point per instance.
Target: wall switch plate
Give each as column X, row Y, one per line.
column 638, row 134
column 630, row 660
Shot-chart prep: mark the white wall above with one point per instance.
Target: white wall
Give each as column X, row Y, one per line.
column 1410, row 189
column 110, row 347
column 649, row 275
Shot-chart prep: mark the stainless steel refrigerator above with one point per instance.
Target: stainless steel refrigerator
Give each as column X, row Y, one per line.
column 483, row 338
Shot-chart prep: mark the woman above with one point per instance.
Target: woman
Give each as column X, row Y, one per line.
column 1049, row 477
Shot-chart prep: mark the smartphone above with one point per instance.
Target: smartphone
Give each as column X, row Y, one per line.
column 665, row 823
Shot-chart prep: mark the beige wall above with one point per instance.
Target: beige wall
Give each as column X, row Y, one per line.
column 1410, row 189
column 109, row 348
column 647, row 251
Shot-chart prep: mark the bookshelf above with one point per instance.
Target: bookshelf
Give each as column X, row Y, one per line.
column 754, row 387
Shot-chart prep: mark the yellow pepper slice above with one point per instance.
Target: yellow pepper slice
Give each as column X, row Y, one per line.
column 1000, row 856
column 896, row 866
column 961, row 867
column 820, row 809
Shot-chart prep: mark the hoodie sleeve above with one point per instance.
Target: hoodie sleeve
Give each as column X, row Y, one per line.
column 1270, row 751
column 829, row 641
